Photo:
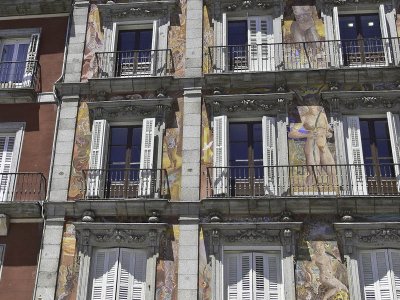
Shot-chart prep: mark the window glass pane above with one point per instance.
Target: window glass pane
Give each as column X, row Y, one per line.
column 135, row 155
column 126, row 40
column 258, row 151
column 238, row 152
column 8, row 52
column 366, row 148
column 145, row 39
column 384, row 148
column 237, row 132
column 119, row 136
column 117, row 155
column 381, row 129
column 237, row 32
column 348, row 27
column 257, row 132
column 137, row 136
column 22, row 52
column 370, row 26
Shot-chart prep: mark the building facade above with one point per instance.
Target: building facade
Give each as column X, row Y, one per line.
column 205, row 149
column 32, row 43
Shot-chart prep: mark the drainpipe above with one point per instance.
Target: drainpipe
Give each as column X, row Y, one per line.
column 50, row 176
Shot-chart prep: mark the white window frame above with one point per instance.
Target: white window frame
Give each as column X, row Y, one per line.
column 2, row 255
column 17, row 130
column 270, row 62
column 246, row 249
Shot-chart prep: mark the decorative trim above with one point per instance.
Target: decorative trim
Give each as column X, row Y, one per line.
column 141, row 9
column 248, row 4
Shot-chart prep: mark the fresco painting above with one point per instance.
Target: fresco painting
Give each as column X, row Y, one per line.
column 208, row 38
column 311, row 147
column 80, row 160
column 68, row 273
column 304, row 31
column 205, row 270
column 320, row 272
column 177, row 38
column 172, row 149
column 94, row 42
column 167, row 267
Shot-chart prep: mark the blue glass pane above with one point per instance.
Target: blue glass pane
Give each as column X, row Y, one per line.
column 237, row 132
column 258, row 151
column 238, row 152
column 257, row 132
column 364, row 129
column 384, row 148
column 8, row 52
column 370, row 26
column 348, row 27
column 137, row 136
column 126, row 40
column 119, row 136
column 237, row 33
column 145, row 40
column 381, row 129
column 22, row 52
column 135, row 155
column 117, row 155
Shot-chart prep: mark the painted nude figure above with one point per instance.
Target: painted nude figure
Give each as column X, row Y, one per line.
column 303, row 29
column 323, row 261
column 315, row 128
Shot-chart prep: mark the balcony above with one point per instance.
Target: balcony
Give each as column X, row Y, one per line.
column 138, row 63
column 126, row 184
column 341, row 54
column 22, row 187
column 301, row 181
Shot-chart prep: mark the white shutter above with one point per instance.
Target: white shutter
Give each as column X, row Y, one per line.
column 147, row 157
column 97, row 162
column 394, row 132
column 104, row 272
column 231, row 276
column 252, row 29
column 246, row 276
column 394, row 258
column 355, row 154
column 336, row 35
column 220, row 157
column 367, row 269
column 269, row 155
column 31, row 59
column 259, row 31
column 6, row 158
column 267, row 276
column 385, row 34
column 383, row 279
column 132, row 274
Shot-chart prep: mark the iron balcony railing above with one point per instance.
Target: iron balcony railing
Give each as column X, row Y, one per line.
column 20, row 74
column 373, row 52
column 22, row 187
column 126, row 183
column 299, row 181
column 138, row 63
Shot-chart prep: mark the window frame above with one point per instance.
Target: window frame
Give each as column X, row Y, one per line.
column 2, row 255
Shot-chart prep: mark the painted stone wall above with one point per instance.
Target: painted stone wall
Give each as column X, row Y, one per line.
column 68, row 271
column 177, row 38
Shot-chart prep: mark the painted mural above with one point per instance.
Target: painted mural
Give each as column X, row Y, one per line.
column 304, row 31
column 320, row 273
column 68, row 271
column 398, row 22
column 80, row 159
column 208, row 38
column 311, row 146
column 177, row 38
column 205, row 270
column 167, row 267
column 94, row 42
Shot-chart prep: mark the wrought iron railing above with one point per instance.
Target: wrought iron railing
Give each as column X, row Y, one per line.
column 292, row 181
column 373, row 52
column 20, row 74
column 138, row 63
column 22, row 187
column 126, row 183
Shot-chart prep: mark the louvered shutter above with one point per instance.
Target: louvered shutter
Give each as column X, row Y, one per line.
column 231, row 277
column 367, row 269
column 355, row 154
column 394, row 258
column 394, row 132
column 246, row 276
column 132, row 274
column 383, row 279
column 269, row 155
column 385, row 34
column 252, row 28
column 336, row 34
column 259, row 34
column 104, row 272
column 220, row 149
column 31, row 57
column 98, row 157
column 267, row 276
column 6, row 158
column 146, row 184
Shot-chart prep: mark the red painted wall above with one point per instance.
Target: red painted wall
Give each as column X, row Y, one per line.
column 51, row 47
column 20, row 261
column 38, row 136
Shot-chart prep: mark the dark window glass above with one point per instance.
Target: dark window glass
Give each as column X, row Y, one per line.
column 359, row 26
column 129, row 40
column 237, row 33
column 124, row 150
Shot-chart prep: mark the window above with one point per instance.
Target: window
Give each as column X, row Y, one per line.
column 373, row 154
column 10, row 144
column 252, row 275
column 121, row 163
column 364, row 38
column 251, row 169
column 18, row 61
column 380, row 274
column 118, row 274
column 246, row 41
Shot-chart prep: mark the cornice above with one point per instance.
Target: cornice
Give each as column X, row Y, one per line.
column 34, row 7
